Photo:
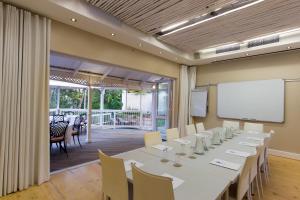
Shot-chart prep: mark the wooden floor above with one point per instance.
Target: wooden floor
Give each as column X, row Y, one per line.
column 85, row 183
column 110, row 141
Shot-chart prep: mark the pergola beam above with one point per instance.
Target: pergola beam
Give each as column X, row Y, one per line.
column 108, row 71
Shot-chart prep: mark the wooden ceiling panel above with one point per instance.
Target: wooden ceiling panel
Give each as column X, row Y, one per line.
column 150, row 16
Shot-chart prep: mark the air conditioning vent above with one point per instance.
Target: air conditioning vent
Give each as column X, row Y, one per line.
column 228, row 49
column 264, row 41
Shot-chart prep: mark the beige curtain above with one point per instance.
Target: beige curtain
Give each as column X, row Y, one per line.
column 183, row 100
column 192, row 85
column 24, row 72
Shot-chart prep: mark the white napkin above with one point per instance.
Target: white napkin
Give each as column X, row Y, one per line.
column 238, row 153
column 226, row 164
column 127, row 164
column 182, row 141
column 249, row 144
column 162, row 147
column 256, row 139
column 175, row 181
column 253, row 132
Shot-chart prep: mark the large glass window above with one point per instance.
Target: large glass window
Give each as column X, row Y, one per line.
column 53, row 97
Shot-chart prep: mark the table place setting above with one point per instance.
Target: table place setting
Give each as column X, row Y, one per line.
column 162, row 147
column 127, row 164
column 225, row 164
column 249, row 144
column 238, row 153
column 176, row 182
column 183, row 141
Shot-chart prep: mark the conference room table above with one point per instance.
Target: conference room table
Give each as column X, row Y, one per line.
column 201, row 180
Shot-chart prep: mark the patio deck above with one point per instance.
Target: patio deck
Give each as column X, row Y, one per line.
column 110, row 141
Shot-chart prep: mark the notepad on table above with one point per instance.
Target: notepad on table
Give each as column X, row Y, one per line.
column 127, row 164
column 226, row 164
column 250, row 144
column 238, row 153
column 162, row 147
column 175, row 181
column 182, row 141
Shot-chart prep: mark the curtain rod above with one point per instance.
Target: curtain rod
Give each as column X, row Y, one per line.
column 215, row 84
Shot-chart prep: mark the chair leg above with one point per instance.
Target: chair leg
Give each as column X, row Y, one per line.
column 60, row 147
column 260, row 183
column 257, row 187
column 73, row 139
column 65, row 148
column 79, row 141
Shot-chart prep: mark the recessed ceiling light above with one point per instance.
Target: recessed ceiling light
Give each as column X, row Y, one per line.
column 113, row 34
column 73, row 19
column 193, row 22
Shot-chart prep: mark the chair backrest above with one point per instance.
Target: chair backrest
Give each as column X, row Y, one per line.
column 172, row 134
column 151, row 187
column 58, row 118
column 200, row 127
column 253, row 127
column 152, row 138
column 231, row 124
column 77, row 123
column 244, row 178
column 190, row 129
column 253, row 171
column 114, row 179
column 261, row 156
column 58, row 129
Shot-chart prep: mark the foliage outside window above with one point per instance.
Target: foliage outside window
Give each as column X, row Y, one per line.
column 53, row 98
column 113, row 99
column 96, row 98
column 71, row 98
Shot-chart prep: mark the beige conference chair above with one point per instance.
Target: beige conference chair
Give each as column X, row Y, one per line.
column 231, row 124
column 152, row 138
column 255, row 178
column 115, row 185
column 260, row 161
column 200, row 127
column 253, row 127
column 172, row 134
column 243, row 185
column 151, row 187
column 190, row 129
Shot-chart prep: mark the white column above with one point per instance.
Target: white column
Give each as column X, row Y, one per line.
column 57, row 100
column 154, row 107
column 141, row 112
column 101, row 106
column 89, row 115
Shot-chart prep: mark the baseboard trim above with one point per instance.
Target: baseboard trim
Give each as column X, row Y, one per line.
column 284, row 154
column 74, row 167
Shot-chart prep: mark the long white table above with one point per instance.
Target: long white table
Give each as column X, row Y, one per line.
column 202, row 180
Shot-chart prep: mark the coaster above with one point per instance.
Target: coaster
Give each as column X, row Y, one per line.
column 192, row 157
column 177, row 165
column 181, row 154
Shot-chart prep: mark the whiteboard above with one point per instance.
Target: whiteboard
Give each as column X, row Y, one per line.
column 261, row 100
column 199, row 102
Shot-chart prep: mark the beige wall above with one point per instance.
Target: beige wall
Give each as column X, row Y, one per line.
column 72, row 41
column 282, row 65
column 69, row 40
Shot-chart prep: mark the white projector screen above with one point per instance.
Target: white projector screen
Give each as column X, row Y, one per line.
column 261, row 100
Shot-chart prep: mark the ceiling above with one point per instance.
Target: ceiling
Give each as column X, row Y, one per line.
column 61, row 61
column 136, row 22
column 150, row 17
